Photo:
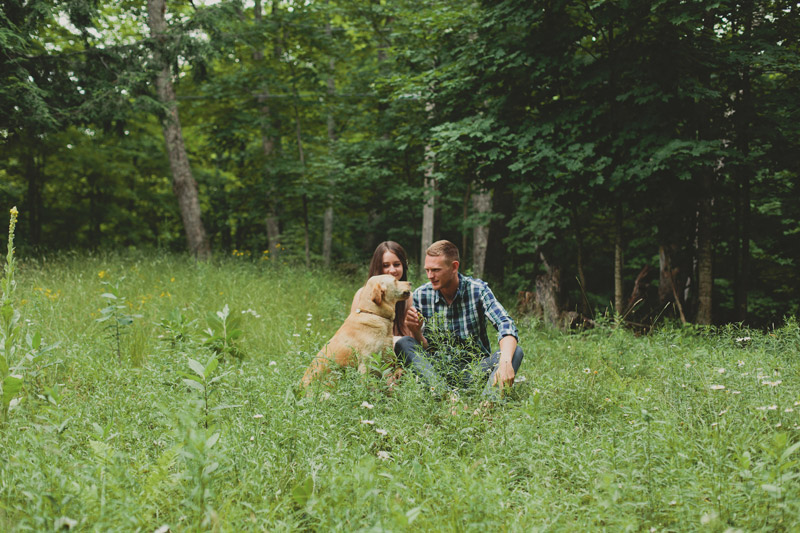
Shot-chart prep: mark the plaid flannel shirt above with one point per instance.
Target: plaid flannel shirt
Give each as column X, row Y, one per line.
column 466, row 316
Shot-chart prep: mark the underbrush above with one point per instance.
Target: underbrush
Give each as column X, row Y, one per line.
column 183, row 410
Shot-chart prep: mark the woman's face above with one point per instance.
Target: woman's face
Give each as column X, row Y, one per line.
column 392, row 265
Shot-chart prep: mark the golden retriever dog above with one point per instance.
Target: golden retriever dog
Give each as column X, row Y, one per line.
column 366, row 331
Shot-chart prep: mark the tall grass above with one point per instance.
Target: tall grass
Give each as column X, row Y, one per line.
column 683, row 429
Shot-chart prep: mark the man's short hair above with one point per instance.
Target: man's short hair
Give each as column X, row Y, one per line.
column 446, row 249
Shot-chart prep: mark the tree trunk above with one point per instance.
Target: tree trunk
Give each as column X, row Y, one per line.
column 585, row 308
column 34, row 172
column 464, row 216
column 429, row 193
column 742, row 119
column 306, row 234
column 705, row 279
column 665, row 275
column 183, row 183
column 269, row 146
column 482, row 204
column 619, row 299
column 548, row 293
column 327, row 221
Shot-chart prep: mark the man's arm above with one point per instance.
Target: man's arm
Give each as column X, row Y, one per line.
column 505, row 370
column 507, row 330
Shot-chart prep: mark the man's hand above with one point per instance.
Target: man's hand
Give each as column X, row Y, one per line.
column 414, row 321
column 504, row 377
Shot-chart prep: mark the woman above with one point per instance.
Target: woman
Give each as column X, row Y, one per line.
column 390, row 258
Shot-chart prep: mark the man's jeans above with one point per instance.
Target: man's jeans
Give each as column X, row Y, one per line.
column 413, row 356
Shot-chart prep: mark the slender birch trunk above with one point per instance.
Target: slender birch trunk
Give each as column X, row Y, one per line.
column 429, row 194
column 327, row 219
column 183, row 183
column 482, row 204
column 705, row 277
column 269, row 144
column 619, row 299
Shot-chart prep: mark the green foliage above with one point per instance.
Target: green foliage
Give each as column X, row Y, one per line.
column 21, row 348
column 565, row 111
column 203, row 379
column 119, row 321
column 684, row 428
column 224, row 333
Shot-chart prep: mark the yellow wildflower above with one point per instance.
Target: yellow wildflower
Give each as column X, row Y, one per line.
column 102, row 274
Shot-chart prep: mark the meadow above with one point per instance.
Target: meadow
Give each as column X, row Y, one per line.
column 160, row 394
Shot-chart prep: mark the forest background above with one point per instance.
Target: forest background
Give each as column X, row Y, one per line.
column 636, row 157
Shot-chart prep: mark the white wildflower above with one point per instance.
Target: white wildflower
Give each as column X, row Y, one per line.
column 369, row 422
column 272, row 363
column 384, row 455
column 771, row 383
column 717, row 387
column 258, row 416
column 367, row 405
column 381, row 432
column 740, row 362
column 721, row 370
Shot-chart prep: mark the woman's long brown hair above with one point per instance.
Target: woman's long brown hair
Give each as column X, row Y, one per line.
column 376, row 268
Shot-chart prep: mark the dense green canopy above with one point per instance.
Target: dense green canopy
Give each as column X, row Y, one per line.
column 658, row 134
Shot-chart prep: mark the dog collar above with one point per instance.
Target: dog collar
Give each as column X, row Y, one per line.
column 359, row 310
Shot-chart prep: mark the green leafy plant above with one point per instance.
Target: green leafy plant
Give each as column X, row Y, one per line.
column 178, row 326
column 10, row 331
column 223, row 333
column 20, row 354
column 114, row 313
column 457, row 360
column 203, row 380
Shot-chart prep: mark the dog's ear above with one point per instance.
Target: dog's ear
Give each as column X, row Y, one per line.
column 378, row 292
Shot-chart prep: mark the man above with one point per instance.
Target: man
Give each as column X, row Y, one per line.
column 463, row 304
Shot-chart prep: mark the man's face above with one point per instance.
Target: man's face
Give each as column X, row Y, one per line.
column 442, row 274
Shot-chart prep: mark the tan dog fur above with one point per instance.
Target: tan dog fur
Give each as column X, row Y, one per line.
column 366, row 331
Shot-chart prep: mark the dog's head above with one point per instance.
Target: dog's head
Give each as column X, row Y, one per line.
column 385, row 288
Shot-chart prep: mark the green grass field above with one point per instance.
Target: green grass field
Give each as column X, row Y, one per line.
column 123, row 425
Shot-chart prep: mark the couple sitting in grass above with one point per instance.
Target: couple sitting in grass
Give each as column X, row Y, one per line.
column 442, row 335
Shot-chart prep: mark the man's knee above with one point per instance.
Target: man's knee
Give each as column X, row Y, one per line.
column 405, row 347
column 516, row 359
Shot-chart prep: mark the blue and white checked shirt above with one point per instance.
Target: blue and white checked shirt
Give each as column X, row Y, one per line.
column 466, row 316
